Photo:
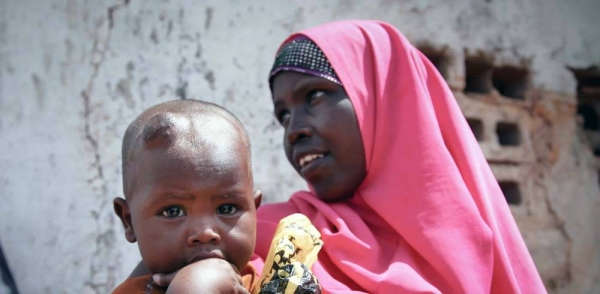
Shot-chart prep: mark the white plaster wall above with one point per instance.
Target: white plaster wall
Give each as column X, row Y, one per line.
column 74, row 73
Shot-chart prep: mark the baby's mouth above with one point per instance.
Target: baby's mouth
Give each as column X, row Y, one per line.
column 206, row 255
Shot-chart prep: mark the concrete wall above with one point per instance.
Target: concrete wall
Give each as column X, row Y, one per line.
column 74, row 73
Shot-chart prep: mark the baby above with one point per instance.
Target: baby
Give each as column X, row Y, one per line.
column 187, row 181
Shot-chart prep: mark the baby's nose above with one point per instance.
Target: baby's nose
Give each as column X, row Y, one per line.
column 202, row 233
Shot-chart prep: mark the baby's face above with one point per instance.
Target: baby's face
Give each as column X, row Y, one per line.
column 189, row 203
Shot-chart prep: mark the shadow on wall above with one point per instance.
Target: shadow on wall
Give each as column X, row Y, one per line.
column 7, row 283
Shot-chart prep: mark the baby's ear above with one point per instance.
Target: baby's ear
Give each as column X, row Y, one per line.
column 257, row 195
column 122, row 210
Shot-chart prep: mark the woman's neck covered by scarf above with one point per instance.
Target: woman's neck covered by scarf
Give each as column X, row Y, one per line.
column 430, row 216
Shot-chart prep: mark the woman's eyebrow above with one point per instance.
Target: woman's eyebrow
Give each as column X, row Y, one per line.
column 278, row 103
column 304, row 84
column 312, row 82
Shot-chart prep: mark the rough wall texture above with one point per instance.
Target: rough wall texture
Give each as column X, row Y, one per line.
column 73, row 73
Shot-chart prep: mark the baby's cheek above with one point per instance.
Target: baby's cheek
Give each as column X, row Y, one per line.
column 164, row 262
column 161, row 253
column 241, row 245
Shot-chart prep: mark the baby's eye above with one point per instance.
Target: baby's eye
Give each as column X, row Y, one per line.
column 227, row 209
column 173, row 211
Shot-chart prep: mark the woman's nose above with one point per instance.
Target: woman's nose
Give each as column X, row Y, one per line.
column 202, row 232
column 298, row 127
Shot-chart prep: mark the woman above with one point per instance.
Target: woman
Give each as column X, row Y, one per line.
column 399, row 188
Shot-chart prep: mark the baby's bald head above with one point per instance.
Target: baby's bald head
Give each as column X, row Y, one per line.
column 182, row 128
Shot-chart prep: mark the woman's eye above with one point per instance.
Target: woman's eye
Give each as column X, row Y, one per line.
column 173, row 211
column 283, row 116
column 227, row 209
column 315, row 96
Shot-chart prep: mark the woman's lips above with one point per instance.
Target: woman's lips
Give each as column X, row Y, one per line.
column 312, row 166
column 306, row 159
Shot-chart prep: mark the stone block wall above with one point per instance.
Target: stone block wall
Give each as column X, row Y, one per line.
column 538, row 143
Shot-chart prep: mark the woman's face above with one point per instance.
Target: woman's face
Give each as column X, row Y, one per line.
column 322, row 139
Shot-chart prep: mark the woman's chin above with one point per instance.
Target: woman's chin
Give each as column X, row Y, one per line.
column 330, row 196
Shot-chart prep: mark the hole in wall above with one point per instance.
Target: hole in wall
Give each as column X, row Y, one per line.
column 440, row 58
column 588, row 103
column 508, row 134
column 511, row 82
column 590, row 91
column 478, row 75
column 588, row 84
column 477, row 127
column 590, row 117
column 511, row 191
column 588, row 96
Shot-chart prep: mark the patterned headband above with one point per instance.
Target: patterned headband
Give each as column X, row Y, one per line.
column 303, row 55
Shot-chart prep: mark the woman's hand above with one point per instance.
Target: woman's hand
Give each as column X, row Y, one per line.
column 211, row 275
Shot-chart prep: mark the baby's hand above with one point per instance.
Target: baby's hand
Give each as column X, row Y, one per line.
column 211, row 275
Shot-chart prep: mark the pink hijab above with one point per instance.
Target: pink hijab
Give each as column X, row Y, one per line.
column 430, row 216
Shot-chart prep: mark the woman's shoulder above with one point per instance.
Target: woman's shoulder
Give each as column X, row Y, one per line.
column 300, row 202
column 273, row 212
column 267, row 218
